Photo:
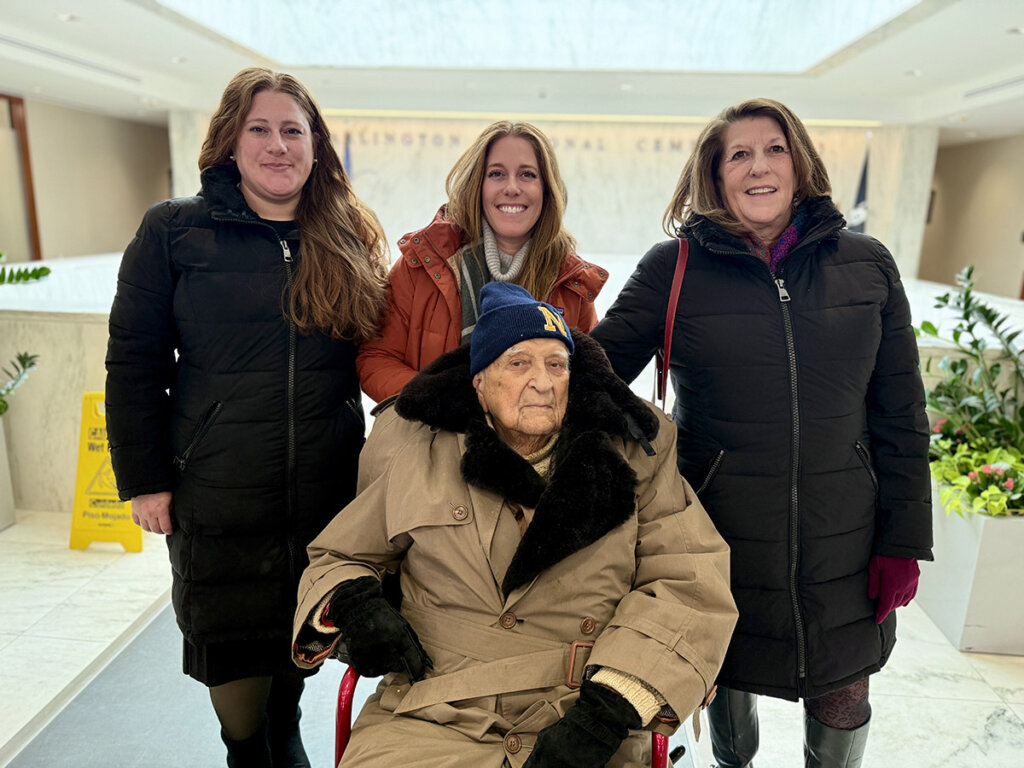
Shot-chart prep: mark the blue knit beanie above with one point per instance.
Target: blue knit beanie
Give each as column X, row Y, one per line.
column 508, row 313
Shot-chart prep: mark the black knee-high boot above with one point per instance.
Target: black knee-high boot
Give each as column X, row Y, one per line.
column 283, row 714
column 253, row 752
column 732, row 720
column 827, row 747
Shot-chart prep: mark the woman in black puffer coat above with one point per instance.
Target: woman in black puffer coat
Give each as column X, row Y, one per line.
column 233, row 405
column 801, row 421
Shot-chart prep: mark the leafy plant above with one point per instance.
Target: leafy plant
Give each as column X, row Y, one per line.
column 989, row 483
column 978, row 400
column 23, row 363
column 20, row 274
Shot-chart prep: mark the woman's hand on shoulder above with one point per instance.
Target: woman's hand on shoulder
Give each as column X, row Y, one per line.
column 152, row 512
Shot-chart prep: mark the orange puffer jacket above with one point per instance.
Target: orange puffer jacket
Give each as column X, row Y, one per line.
column 424, row 317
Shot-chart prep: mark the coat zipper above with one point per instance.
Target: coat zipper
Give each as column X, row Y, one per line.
column 794, row 477
column 711, row 472
column 290, row 478
column 198, row 434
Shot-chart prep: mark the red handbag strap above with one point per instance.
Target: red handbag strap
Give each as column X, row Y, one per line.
column 665, row 352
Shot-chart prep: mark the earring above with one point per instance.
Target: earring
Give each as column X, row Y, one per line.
column 231, row 158
column 314, row 159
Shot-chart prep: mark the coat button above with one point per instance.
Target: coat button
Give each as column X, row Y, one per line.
column 576, row 283
column 460, row 512
column 508, row 620
column 513, row 743
column 602, row 273
column 587, row 625
column 590, row 295
column 437, row 275
column 415, row 239
column 402, row 241
column 415, row 261
column 426, row 259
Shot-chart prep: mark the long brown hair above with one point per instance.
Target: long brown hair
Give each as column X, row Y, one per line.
column 339, row 282
column 550, row 243
column 698, row 192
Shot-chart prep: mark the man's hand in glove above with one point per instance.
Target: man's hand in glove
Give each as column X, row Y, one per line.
column 377, row 637
column 589, row 734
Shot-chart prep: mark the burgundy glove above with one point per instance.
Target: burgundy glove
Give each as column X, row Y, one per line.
column 893, row 582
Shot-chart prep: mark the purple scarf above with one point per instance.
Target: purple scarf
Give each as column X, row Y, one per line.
column 783, row 245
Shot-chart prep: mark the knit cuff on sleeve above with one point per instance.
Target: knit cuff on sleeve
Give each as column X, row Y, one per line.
column 316, row 617
column 645, row 700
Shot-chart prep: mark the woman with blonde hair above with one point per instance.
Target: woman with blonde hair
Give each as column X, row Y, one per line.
column 503, row 221
column 800, row 415
column 233, row 405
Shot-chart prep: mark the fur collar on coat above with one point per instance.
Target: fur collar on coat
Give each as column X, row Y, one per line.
column 590, row 488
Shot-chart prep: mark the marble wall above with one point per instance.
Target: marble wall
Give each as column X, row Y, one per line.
column 42, row 424
column 620, row 176
column 186, row 130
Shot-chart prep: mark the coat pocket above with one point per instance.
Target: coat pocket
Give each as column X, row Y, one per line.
column 202, row 427
column 865, row 459
column 716, row 464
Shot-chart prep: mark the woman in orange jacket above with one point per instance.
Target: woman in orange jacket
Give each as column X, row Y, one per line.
column 503, row 221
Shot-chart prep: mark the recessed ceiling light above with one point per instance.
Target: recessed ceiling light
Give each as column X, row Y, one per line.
column 625, row 86
column 1015, row 31
column 178, row 59
column 68, row 17
column 913, row 73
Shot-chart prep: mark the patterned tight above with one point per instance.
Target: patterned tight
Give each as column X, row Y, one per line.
column 846, row 708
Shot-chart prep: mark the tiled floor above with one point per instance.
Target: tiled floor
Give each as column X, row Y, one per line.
column 64, row 614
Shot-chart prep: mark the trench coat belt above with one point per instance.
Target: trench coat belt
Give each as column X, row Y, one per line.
column 508, row 661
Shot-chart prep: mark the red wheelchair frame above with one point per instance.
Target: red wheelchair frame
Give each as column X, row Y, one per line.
column 343, row 724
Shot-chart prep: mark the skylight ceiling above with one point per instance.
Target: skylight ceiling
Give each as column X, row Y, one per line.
column 720, row 36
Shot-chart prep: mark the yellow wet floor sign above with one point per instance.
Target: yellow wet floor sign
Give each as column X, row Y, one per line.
column 98, row 514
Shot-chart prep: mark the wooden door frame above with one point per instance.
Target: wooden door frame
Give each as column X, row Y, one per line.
column 20, row 128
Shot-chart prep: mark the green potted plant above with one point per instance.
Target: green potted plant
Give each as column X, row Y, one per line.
column 977, row 467
column 977, row 402
column 20, row 274
column 20, row 366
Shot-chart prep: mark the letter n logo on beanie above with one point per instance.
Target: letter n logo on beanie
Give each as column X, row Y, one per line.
column 554, row 322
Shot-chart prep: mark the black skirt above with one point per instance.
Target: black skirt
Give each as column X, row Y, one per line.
column 218, row 663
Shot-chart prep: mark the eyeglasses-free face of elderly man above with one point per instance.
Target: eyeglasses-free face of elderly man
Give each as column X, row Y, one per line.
column 525, row 392
column 562, row 587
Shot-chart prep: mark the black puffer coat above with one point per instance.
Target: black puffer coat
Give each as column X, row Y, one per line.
column 801, row 422
column 260, row 434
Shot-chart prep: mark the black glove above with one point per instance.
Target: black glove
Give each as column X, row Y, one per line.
column 377, row 637
column 589, row 734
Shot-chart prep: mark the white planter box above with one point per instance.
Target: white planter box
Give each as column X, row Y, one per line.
column 972, row 591
column 6, row 487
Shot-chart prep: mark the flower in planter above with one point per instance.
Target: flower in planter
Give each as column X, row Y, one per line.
column 984, row 482
column 977, row 440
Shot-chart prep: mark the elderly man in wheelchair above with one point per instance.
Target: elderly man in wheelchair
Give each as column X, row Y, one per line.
column 562, row 591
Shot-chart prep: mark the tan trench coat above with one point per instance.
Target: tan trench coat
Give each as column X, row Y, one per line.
column 650, row 593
